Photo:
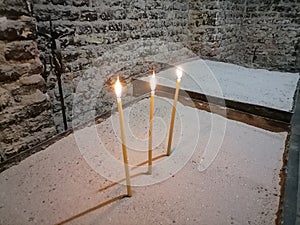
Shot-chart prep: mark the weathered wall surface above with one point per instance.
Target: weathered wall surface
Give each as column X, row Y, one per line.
column 271, row 34
column 25, row 112
column 260, row 34
column 123, row 37
column 214, row 29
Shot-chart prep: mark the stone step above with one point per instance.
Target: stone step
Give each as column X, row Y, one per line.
column 263, row 93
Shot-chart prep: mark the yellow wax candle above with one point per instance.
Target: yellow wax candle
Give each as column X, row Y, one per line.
column 118, row 90
column 152, row 85
column 179, row 75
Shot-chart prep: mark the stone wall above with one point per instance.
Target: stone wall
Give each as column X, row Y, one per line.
column 117, row 37
column 271, row 35
column 253, row 33
column 25, row 112
column 214, row 29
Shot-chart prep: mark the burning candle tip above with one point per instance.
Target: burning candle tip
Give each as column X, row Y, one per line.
column 118, row 88
column 179, row 72
column 153, row 82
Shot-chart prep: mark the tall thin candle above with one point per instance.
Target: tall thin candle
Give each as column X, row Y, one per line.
column 152, row 86
column 179, row 75
column 118, row 90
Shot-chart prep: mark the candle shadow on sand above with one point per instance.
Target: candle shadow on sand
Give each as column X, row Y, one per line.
column 134, row 175
column 115, row 199
column 110, row 201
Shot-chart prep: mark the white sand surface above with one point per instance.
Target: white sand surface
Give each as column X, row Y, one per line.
column 73, row 181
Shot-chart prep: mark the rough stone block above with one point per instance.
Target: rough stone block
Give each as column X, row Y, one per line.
column 18, row 90
column 37, row 98
column 12, row 72
column 45, row 13
column 84, row 29
column 35, row 66
column 9, row 73
column 107, row 15
column 11, row 30
column 81, row 2
column 119, row 14
column 14, row 8
column 14, row 143
column 34, row 81
column 58, row 2
column 71, row 15
column 21, row 50
column 88, row 15
column 38, row 123
column 5, row 98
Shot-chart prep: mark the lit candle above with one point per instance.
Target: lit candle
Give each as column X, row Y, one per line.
column 179, row 75
column 118, row 90
column 152, row 86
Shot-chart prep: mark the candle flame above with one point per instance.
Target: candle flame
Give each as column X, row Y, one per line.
column 118, row 88
column 153, row 82
column 179, row 72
